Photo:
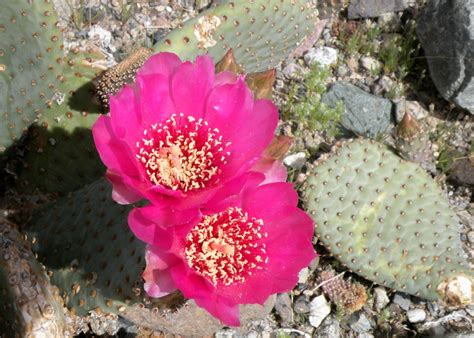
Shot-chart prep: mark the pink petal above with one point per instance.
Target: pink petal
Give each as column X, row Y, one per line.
column 228, row 107
column 154, row 100
column 191, row 84
column 276, row 195
column 153, row 224
column 124, row 116
column 274, row 170
column 123, row 193
column 158, row 280
column 223, row 309
column 161, row 63
column 115, row 153
column 231, row 193
column 253, row 137
column 190, row 283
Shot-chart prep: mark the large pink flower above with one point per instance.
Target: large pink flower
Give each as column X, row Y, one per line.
column 180, row 131
column 244, row 245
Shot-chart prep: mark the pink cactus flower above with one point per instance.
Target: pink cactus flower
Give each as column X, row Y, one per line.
column 243, row 246
column 180, row 132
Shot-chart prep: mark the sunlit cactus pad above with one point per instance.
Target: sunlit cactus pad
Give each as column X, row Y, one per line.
column 261, row 32
column 385, row 218
column 30, row 64
column 59, row 155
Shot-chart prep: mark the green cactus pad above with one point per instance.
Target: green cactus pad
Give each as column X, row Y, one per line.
column 90, row 253
column 59, row 154
column 30, row 65
column 261, row 32
column 385, row 219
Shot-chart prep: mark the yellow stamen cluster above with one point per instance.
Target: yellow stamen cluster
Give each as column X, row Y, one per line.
column 226, row 247
column 182, row 153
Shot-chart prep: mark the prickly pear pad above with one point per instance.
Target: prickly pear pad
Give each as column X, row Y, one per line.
column 385, row 218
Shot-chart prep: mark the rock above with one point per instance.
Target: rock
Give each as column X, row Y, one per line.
column 319, row 309
column 433, row 308
column 386, row 83
column 462, row 171
column 470, row 236
column 293, row 71
column 373, row 8
column 389, row 22
column 360, row 323
column 325, row 56
column 370, row 64
column 381, row 298
column 402, row 300
column 102, row 36
column 364, row 114
column 446, row 33
column 413, row 107
column 303, row 276
column 283, row 307
column 329, row 329
column 301, row 304
column 295, row 161
column 416, row 315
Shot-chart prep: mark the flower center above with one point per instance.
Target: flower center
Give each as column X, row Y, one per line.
column 226, row 247
column 182, row 153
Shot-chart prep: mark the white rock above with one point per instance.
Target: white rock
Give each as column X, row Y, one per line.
column 370, row 64
column 325, row 56
column 402, row 300
column 381, row 298
column 295, row 161
column 319, row 309
column 416, row 315
column 303, row 276
column 102, row 36
column 293, row 71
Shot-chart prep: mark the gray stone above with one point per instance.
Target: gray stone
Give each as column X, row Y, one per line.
column 373, row 8
column 446, row 32
column 293, row 71
column 319, row 309
column 386, row 83
column 402, row 300
column 301, row 304
column 330, row 328
column 283, row 307
column 364, row 113
column 381, row 298
column 416, row 315
column 470, row 236
column 360, row 323
column 462, row 171
column 325, row 56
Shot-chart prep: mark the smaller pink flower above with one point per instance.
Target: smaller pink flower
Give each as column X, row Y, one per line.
column 243, row 246
column 181, row 131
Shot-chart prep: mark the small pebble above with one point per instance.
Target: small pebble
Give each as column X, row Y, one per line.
column 325, row 56
column 295, row 161
column 301, row 305
column 381, row 298
column 402, row 300
column 416, row 315
column 319, row 309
